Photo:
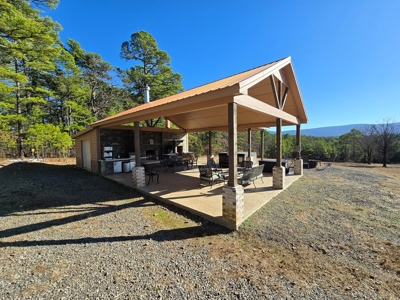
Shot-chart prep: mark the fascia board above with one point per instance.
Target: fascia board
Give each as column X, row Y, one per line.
column 247, row 83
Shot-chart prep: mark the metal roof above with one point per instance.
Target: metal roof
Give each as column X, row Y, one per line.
column 204, row 108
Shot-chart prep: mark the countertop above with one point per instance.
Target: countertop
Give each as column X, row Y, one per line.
column 118, row 159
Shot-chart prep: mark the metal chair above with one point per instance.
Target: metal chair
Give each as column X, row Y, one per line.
column 152, row 170
column 192, row 162
column 207, row 174
column 179, row 162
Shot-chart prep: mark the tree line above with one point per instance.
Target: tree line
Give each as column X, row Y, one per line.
column 50, row 90
column 377, row 143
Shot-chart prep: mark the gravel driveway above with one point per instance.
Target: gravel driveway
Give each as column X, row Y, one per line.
column 66, row 233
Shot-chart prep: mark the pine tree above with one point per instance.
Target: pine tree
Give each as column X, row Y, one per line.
column 152, row 68
column 28, row 49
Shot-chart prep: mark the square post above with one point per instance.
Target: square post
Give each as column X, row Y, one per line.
column 278, row 142
column 232, row 194
column 138, row 175
column 209, row 145
column 278, row 172
column 262, row 144
column 248, row 144
column 137, row 143
column 298, row 163
column 232, row 142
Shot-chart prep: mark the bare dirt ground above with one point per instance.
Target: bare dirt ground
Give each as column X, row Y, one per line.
column 67, row 233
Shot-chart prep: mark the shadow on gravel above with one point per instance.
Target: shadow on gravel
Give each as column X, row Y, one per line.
column 27, row 187
column 58, row 222
column 159, row 236
column 31, row 186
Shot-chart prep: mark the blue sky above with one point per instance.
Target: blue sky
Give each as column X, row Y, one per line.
column 344, row 53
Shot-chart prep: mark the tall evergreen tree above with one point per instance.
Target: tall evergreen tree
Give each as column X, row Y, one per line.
column 28, row 48
column 152, row 68
column 103, row 98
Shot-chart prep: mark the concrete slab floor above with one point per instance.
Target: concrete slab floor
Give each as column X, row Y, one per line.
column 182, row 189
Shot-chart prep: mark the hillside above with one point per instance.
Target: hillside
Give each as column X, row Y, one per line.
column 331, row 131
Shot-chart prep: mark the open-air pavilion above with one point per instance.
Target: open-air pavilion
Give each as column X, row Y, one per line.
column 267, row 96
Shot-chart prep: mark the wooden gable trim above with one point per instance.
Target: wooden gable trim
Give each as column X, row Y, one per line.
column 253, row 80
column 259, row 106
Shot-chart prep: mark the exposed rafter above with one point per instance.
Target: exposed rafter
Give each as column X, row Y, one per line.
column 280, row 99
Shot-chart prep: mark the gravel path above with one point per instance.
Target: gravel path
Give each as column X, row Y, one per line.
column 68, row 234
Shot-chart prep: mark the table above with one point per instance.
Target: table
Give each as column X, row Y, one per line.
column 225, row 175
column 172, row 163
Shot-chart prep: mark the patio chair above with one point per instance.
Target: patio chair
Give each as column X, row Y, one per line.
column 207, row 174
column 152, row 170
column 179, row 162
column 213, row 165
column 191, row 162
column 250, row 175
column 170, row 164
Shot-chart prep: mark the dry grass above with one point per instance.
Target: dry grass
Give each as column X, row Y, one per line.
column 318, row 239
column 316, row 236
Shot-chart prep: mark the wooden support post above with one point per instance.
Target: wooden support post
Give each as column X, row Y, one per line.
column 298, row 141
column 232, row 140
column 137, row 143
column 262, row 143
column 210, row 144
column 278, row 172
column 278, row 142
column 298, row 163
column 98, row 143
column 232, row 194
column 249, row 142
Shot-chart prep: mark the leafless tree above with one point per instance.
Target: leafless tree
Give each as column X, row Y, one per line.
column 384, row 135
column 368, row 142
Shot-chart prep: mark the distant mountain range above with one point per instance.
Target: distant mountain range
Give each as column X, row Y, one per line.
column 331, row 131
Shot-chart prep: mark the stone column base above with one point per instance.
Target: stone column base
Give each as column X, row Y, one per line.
column 278, row 177
column 138, row 177
column 298, row 167
column 233, row 205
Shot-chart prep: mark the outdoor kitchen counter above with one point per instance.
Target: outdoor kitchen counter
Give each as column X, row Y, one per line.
column 106, row 167
column 119, row 159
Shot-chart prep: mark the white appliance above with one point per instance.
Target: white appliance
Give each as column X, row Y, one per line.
column 108, row 152
column 117, row 166
column 126, row 167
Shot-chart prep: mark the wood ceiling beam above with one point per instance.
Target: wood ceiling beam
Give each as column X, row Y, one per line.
column 272, row 78
column 285, row 97
column 169, row 112
column 152, row 129
column 245, row 127
column 280, row 99
column 259, row 106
